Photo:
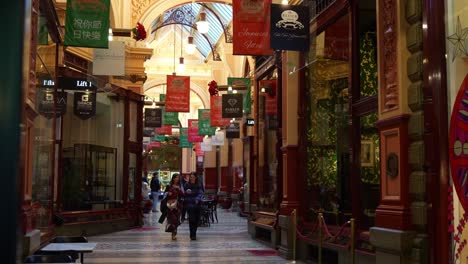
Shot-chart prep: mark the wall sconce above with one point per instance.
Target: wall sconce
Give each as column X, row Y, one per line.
column 203, row 26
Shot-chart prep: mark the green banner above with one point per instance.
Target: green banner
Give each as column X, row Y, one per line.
column 159, row 138
column 42, row 31
column 170, row 118
column 183, row 139
column 87, row 23
column 162, row 98
column 247, row 100
column 204, row 126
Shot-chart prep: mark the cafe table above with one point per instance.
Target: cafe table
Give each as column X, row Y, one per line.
column 73, row 247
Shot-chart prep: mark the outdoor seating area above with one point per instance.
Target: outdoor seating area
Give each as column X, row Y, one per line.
column 208, row 211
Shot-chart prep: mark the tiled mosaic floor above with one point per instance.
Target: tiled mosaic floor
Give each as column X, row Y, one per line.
column 223, row 242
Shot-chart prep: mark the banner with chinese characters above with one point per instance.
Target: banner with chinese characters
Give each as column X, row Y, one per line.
column 251, row 27
column 178, row 94
column 153, row 117
column 204, row 123
column 216, row 118
column 246, row 82
column 183, row 138
column 232, row 106
column 289, row 27
column 164, row 130
column 87, row 23
column 170, row 118
column 193, row 135
column 84, row 104
column 270, row 95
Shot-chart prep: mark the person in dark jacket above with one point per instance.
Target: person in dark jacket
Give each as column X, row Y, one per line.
column 155, row 187
column 192, row 201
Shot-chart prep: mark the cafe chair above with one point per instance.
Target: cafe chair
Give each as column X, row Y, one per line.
column 48, row 259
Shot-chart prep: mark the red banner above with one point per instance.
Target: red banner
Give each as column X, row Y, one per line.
column 270, row 95
column 178, row 94
column 193, row 131
column 198, row 151
column 216, row 119
column 164, row 130
column 251, row 27
column 153, row 145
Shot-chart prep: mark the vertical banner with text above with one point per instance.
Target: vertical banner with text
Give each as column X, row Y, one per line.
column 178, row 94
column 183, row 141
column 251, row 27
column 232, row 106
column 290, row 27
column 216, row 118
column 193, row 135
column 153, row 117
column 84, row 104
column 164, row 130
column 247, row 104
column 204, row 124
column 87, row 23
column 170, row 118
column 270, row 95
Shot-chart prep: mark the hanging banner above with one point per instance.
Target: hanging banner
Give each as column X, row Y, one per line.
column 233, row 130
column 193, row 135
column 232, row 105
column 170, row 118
column 84, row 104
column 164, row 130
column 289, row 27
column 45, row 103
column 270, row 96
column 159, row 138
column 198, row 150
column 148, row 131
column 458, row 139
column 110, row 61
column 251, row 27
column 216, row 119
column 204, row 123
column 178, row 94
column 183, row 141
column 153, row 117
column 206, row 144
column 87, row 23
column 247, row 93
column 42, row 31
column 218, row 139
column 162, row 98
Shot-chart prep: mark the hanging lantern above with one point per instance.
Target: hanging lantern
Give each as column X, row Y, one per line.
column 203, row 26
column 190, row 47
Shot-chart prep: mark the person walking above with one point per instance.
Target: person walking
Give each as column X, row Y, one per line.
column 184, row 209
column 192, row 202
column 155, row 187
column 173, row 206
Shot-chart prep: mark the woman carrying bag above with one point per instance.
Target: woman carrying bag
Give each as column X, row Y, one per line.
column 172, row 206
column 192, row 202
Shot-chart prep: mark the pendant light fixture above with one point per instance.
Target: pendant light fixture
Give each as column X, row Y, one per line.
column 202, row 25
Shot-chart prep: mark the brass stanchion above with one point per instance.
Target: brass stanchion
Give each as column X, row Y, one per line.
column 294, row 234
column 352, row 240
column 320, row 238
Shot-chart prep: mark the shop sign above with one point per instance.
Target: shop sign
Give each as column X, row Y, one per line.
column 250, row 122
column 233, row 130
column 170, row 118
column 75, row 84
column 251, row 27
column 193, row 135
column 178, row 94
column 87, row 23
column 247, row 104
column 46, row 106
column 289, row 27
column 153, row 117
column 183, row 141
column 458, row 142
column 204, row 123
column 232, row 106
column 84, row 104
